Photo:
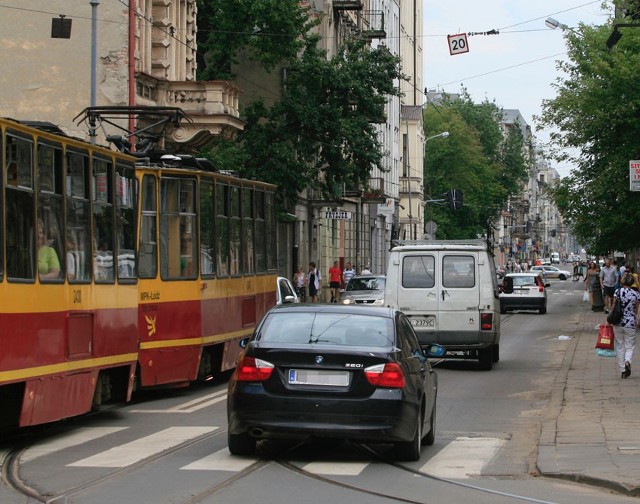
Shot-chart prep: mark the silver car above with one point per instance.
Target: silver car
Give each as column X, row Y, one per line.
column 551, row 272
column 365, row 290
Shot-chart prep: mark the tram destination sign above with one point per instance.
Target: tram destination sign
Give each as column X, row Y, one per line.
column 337, row 214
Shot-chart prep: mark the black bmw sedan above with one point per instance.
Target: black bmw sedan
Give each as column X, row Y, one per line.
column 334, row 371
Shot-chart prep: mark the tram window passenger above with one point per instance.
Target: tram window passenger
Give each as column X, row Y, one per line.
column 48, row 262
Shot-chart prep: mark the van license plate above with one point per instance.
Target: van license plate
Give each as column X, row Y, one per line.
column 423, row 322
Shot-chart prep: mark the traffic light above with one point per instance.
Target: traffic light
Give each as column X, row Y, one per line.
column 454, row 197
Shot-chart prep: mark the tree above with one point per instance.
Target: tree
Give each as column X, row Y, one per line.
column 265, row 31
column 596, row 113
column 322, row 133
column 477, row 159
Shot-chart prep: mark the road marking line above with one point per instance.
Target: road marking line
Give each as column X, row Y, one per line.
column 130, row 453
column 220, row 461
column 463, row 458
column 190, row 406
column 336, row 468
column 75, row 438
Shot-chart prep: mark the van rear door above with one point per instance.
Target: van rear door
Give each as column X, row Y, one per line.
column 459, row 303
column 418, row 292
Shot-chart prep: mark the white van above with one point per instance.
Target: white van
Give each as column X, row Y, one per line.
column 449, row 291
column 555, row 258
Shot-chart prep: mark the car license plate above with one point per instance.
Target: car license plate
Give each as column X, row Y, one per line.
column 423, row 321
column 317, row 377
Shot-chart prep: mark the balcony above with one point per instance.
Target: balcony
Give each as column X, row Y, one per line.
column 347, row 4
column 212, row 107
column 411, row 184
column 373, row 25
column 374, row 194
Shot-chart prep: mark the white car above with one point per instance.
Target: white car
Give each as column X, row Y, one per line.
column 367, row 290
column 285, row 292
column 551, row 272
column 523, row 291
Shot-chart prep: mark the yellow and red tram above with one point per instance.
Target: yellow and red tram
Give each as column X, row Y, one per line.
column 117, row 273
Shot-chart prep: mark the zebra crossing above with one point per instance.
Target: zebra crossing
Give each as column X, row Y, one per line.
column 461, row 458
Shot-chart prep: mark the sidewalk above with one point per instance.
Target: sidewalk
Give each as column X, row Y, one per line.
column 592, row 431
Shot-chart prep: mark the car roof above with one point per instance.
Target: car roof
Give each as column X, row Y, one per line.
column 376, row 311
column 368, row 276
column 522, row 274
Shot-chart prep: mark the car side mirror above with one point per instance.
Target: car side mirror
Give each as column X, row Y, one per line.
column 288, row 299
column 547, row 284
column 435, row 351
column 244, row 342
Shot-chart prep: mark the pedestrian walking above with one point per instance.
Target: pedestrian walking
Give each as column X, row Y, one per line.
column 314, row 281
column 335, row 277
column 300, row 284
column 625, row 333
column 348, row 273
column 608, row 280
column 591, row 280
column 366, row 270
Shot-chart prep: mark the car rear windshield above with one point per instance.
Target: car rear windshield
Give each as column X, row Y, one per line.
column 524, row 280
column 363, row 284
column 327, row 329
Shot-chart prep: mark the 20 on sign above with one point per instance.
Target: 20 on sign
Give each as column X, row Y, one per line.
column 458, row 43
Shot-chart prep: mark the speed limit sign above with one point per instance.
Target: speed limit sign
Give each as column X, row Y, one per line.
column 458, row 44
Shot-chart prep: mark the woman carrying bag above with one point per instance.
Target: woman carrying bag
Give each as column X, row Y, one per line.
column 592, row 280
column 625, row 333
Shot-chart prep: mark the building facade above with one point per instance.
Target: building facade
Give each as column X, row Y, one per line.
column 145, row 55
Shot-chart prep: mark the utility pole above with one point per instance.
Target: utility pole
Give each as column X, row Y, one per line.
column 94, row 42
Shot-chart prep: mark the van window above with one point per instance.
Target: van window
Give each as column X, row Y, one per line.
column 458, row 271
column 418, row 272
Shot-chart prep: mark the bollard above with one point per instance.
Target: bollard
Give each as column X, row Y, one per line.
column 598, row 300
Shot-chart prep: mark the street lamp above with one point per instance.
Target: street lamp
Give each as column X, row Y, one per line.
column 444, row 134
column 554, row 23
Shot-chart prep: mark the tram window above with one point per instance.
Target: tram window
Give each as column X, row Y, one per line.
column 50, row 224
column 50, row 168
column 48, row 241
column 248, row 265
column 126, row 221
column 207, row 259
column 270, row 214
column 148, row 250
column 222, row 229
column 178, row 240
column 20, row 225
column 19, row 162
column 235, row 232
column 101, row 193
column 260, row 234
column 78, row 237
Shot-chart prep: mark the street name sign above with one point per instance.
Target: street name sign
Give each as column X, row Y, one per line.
column 338, row 214
column 634, row 175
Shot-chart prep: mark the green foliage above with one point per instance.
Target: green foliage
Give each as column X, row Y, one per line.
column 321, row 133
column 596, row 114
column 475, row 158
column 265, row 31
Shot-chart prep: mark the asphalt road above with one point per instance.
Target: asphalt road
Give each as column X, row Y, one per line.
column 170, row 447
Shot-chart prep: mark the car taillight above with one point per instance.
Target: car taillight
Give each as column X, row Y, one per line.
column 252, row 369
column 388, row 375
column 486, row 321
